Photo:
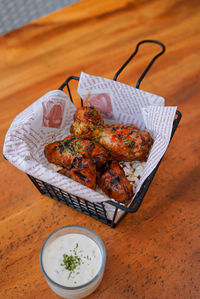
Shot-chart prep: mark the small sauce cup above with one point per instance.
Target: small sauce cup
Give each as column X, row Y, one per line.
column 81, row 290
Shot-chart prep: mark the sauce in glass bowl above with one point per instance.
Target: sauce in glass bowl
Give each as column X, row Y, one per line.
column 72, row 260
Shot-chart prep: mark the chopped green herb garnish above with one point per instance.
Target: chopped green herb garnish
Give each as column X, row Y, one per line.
column 70, row 262
column 131, row 143
column 73, row 261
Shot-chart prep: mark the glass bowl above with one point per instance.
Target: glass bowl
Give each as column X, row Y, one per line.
column 72, row 260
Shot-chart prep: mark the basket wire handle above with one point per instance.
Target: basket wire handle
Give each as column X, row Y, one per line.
column 149, row 65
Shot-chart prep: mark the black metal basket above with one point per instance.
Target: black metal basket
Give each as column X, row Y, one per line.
column 99, row 210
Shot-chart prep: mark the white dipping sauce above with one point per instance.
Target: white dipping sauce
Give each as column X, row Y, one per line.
column 88, row 252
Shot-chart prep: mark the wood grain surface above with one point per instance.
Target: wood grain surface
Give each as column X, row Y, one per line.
column 154, row 253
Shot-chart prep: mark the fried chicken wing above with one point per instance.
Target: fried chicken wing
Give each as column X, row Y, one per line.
column 111, row 179
column 63, row 152
column 85, row 121
column 124, row 142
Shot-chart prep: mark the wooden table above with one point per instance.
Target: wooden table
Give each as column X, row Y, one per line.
column 154, row 253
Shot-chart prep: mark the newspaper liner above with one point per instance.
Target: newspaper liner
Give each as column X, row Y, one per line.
column 52, row 114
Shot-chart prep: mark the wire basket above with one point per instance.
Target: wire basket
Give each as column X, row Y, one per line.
column 99, row 210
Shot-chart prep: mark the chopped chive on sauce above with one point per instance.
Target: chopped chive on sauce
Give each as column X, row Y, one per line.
column 73, row 261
